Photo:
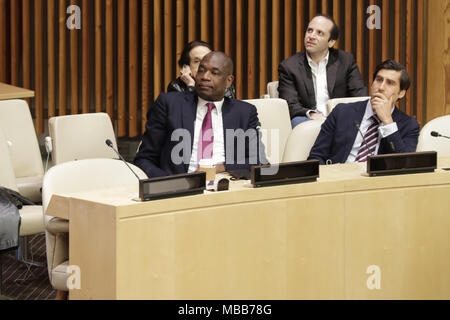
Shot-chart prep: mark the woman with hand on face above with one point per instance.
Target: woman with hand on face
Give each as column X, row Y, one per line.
column 189, row 61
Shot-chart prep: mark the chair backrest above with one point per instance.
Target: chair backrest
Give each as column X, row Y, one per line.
column 81, row 136
column 88, row 174
column 7, row 177
column 301, row 140
column 275, row 125
column 272, row 89
column 440, row 144
column 18, row 127
column 334, row 102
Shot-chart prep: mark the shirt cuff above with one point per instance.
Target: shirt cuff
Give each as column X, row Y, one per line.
column 309, row 111
column 386, row 130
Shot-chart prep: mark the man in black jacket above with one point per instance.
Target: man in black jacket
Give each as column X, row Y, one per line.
column 184, row 127
column 307, row 80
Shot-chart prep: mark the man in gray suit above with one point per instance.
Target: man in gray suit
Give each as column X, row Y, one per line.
column 307, row 80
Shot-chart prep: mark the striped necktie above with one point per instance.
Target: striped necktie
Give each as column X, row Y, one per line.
column 206, row 139
column 369, row 143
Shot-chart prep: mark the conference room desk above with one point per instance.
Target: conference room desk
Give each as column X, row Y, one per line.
column 8, row 91
column 303, row 241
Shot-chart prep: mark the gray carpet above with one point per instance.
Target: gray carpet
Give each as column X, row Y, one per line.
column 25, row 282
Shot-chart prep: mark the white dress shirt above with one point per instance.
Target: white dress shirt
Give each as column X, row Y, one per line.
column 383, row 132
column 217, row 126
column 319, row 76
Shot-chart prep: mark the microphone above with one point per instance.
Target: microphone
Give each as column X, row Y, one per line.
column 258, row 126
column 110, row 144
column 437, row 134
column 356, row 123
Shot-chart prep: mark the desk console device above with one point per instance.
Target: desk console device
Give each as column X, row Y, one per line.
column 401, row 163
column 284, row 173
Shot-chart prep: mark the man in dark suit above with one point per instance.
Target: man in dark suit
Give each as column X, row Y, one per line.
column 307, row 80
column 184, row 127
column 354, row 131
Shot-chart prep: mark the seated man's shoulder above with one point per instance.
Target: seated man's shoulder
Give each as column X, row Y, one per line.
column 293, row 60
column 342, row 55
column 402, row 116
column 243, row 105
column 343, row 109
column 175, row 96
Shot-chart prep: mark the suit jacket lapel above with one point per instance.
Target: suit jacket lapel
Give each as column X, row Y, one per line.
column 356, row 116
column 306, row 77
column 332, row 69
column 228, row 120
column 189, row 114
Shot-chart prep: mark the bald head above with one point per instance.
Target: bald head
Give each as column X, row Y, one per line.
column 223, row 59
column 214, row 75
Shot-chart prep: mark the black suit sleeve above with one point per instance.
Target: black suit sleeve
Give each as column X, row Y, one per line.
column 153, row 140
column 404, row 139
column 253, row 152
column 322, row 147
column 288, row 92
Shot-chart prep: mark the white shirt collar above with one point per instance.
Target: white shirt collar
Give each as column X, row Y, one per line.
column 218, row 104
column 311, row 61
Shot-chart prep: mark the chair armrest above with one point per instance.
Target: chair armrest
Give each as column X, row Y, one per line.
column 57, row 225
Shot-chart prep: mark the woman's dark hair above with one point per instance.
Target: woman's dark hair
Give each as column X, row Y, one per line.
column 184, row 58
column 396, row 66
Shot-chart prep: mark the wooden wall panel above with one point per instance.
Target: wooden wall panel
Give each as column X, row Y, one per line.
column 145, row 98
column 109, row 51
column 133, row 87
column 251, row 57
column 438, row 60
column 275, row 39
column 348, row 28
column 74, row 71
column 39, row 64
column 263, row 47
column 86, row 62
column 288, row 29
column 239, row 50
column 62, row 56
column 3, row 41
column 300, row 25
column 372, row 46
column 121, row 69
column 127, row 51
column 51, row 59
column 98, row 56
column 385, row 30
column 15, row 42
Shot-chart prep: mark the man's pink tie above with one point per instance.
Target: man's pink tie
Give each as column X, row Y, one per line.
column 206, row 139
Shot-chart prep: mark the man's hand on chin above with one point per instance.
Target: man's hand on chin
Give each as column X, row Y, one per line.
column 382, row 106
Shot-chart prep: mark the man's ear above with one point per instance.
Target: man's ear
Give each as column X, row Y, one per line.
column 331, row 43
column 401, row 94
column 230, row 80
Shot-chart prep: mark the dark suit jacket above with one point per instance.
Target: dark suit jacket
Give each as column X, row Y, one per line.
column 338, row 133
column 296, row 84
column 177, row 110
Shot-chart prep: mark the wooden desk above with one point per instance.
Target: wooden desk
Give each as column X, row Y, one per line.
column 11, row 92
column 304, row 241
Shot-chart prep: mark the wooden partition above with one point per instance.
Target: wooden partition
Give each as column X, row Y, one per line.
column 125, row 52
